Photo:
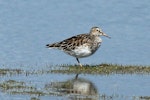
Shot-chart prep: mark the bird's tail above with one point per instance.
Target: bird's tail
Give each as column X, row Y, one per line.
column 54, row 45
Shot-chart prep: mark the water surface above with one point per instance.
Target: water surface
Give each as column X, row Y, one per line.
column 27, row 26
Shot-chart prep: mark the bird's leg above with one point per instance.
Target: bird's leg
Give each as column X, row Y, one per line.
column 79, row 62
column 76, row 77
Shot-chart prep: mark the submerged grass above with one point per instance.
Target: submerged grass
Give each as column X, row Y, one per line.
column 14, row 87
column 86, row 69
column 20, row 87
column 104, row 69
column 10, row 71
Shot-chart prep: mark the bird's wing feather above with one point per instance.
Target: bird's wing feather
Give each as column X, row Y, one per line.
column 71, row 43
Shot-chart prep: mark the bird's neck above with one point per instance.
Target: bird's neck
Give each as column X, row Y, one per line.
column 95, row 38
column 98, row 39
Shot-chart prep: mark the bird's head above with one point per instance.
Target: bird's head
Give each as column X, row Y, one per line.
column 96, row 31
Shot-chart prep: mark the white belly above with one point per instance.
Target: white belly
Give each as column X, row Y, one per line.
column 81, row 51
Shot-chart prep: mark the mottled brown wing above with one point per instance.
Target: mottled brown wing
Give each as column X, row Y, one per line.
column 70, row 43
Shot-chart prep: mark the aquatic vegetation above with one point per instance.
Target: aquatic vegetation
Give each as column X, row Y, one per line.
column 86, row 69
column 72, row 88
column 104, row 69
column 65, row 88
column 16, row 87
column 10, row 71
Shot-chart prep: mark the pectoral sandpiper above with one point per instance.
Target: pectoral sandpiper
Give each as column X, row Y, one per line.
column 81, row 45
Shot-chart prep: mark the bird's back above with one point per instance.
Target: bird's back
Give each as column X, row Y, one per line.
column 71, row 43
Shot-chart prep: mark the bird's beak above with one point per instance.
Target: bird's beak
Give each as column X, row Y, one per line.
column 106, row 35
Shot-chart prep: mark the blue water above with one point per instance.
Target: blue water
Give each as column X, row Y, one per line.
column 26, row 26
column 121, row 86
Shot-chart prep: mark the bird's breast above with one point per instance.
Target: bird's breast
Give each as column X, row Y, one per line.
column 97, row 40
column 81, row 51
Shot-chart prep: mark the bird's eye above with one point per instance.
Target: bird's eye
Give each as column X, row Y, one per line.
column 97, row 30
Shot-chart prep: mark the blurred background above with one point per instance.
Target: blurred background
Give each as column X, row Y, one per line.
column 26, row 26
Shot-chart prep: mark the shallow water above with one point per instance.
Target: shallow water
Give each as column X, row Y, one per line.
column 125, row 87
column 27, row 26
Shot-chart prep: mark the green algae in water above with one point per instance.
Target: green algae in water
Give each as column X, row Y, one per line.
column 104, row 69
column 17, row 87
column 86, row 69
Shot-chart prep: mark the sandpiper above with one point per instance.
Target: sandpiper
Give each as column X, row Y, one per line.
column 82, row 45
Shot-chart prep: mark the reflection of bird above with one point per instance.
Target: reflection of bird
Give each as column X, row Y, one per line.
column 76, row 89
column 83, row 86
column 82, row 45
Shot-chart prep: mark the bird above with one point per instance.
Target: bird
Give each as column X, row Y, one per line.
column 82, row 45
